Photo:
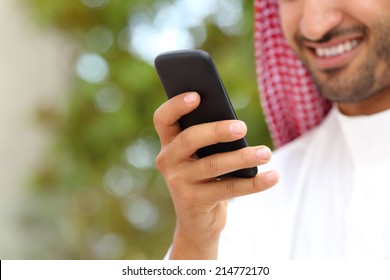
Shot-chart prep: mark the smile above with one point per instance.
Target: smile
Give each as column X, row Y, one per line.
column 337, row 49
column 335, row 53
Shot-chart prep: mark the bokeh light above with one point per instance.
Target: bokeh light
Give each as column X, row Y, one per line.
column 109, row 99
column 141, row 213
column 109, row 246
column 99, row 39
column 142, row 153
column 229, row 17
column 92, row 68
column 180, row 25
column 118, row 181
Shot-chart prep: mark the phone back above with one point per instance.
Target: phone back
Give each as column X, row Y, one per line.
column 183, row 71
column 194, row 70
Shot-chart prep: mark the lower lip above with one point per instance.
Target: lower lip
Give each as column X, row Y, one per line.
column 333, row 62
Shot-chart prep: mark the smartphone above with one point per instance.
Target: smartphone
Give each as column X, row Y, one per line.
column 193, row 70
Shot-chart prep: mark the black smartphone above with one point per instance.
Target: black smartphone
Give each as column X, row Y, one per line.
column 193, row 70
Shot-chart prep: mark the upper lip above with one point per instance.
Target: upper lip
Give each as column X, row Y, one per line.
column 332, row 42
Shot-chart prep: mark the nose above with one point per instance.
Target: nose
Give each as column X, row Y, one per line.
column 319, row 17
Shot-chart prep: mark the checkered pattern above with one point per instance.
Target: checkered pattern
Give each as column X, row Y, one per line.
column 288, row 94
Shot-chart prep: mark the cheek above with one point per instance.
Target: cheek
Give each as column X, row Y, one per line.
column 365, row 12
column 289, row 12
column 367, row 9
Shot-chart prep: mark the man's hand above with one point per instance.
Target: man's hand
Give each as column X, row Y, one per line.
column 200, row 200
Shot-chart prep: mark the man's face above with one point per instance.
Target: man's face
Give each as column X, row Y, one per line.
column 344, row 43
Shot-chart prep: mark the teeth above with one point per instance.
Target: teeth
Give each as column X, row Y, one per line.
column 336, row 50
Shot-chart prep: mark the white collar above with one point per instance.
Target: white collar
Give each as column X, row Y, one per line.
column 367, row 137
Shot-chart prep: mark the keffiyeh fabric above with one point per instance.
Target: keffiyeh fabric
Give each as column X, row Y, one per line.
column 289, row 97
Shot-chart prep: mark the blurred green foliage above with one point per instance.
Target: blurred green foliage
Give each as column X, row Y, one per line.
column 98, row 194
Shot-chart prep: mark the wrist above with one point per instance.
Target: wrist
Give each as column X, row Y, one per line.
column 195, row 247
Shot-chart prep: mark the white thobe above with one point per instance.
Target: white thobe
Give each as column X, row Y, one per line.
column 332, row 200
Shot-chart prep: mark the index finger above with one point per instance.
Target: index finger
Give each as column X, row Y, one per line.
column 166, row 117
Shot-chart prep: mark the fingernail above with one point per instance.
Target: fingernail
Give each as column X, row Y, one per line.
column 263, row 153
column 238, row 127
column 272, row 176
column 190, row 97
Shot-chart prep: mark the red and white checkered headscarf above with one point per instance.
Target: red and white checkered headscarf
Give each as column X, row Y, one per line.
column 289, row 97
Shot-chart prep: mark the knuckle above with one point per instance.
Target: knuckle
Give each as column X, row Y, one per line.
column 182, row 192
column 160, row 160
column 230, row 187
column 245, row 155
column 255, row 185
column 157, row 117
column 161, row 115
column 258, row 185
column 211, row 165
column 186, row 140
column 173, row 180
column 216, row 129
